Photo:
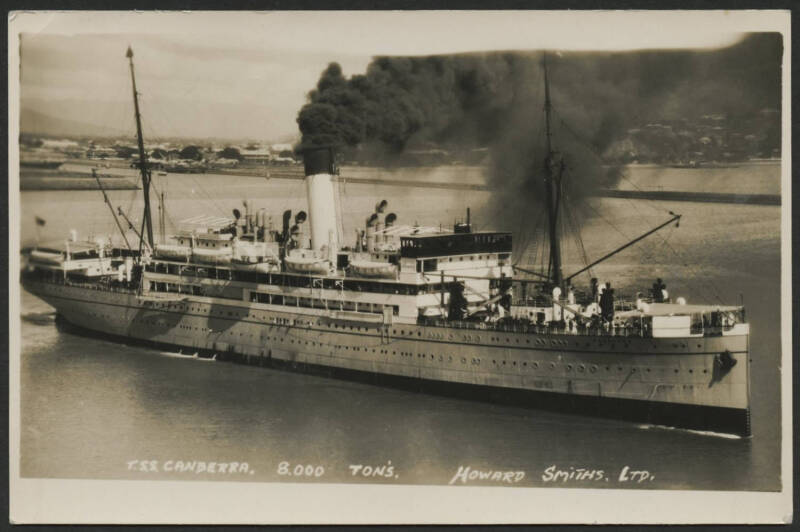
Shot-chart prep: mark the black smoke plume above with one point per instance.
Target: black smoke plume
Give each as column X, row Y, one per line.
column 464, row 102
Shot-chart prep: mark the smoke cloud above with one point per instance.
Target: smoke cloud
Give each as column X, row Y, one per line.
column 495, row 100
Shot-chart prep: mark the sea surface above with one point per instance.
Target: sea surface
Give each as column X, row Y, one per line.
column 91, row 408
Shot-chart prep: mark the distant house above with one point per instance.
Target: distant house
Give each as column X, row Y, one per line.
column 255, row 155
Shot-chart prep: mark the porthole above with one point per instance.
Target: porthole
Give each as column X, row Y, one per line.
column 535, row 365
column 569, row 367
column 581, row 368
column 593, row 369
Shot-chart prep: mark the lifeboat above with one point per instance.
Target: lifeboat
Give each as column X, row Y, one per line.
column 365, row 268
column 310, row 265
column 212, row 256
column 47, row 257
column 172, row 252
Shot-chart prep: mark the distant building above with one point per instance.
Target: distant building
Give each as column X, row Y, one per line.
column 255, row 155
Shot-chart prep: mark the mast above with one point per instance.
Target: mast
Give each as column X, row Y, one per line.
column 142, row 155
column 552, row 183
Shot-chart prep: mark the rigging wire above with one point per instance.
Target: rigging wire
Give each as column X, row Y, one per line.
column 577, row 235
column 591, row 148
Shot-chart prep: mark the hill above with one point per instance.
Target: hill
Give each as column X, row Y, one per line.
column 34, row 122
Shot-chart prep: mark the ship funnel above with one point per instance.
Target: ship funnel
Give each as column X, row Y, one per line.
column 381, row 206
column 287, row 216
column 463, row 227
column 390, row 219
column 237, row 214
column 247, row 220
column 370, row 233
column 299, row 220
column 319, row 163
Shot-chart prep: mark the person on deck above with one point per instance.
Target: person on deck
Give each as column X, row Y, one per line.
column 557, row 310
column 658, row 287
column 594, row 288
column 607, row 303
column 639, row 301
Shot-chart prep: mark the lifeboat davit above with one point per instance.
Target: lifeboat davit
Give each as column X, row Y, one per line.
column 310, row 265
column 365, row 268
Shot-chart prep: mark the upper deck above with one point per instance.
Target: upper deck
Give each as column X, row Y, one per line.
column 448, row 244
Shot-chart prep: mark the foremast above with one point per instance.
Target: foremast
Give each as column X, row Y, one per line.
column 554, row 170
column 148, row 223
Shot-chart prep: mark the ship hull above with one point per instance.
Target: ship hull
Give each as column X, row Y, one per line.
column 668, row 382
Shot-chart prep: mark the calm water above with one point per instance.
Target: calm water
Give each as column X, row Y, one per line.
column 90, row 406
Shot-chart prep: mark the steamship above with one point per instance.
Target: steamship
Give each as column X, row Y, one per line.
column 430, row 309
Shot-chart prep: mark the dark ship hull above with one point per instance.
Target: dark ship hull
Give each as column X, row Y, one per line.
column 677, row 382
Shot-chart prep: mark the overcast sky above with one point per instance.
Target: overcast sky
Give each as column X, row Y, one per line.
column 245, row 75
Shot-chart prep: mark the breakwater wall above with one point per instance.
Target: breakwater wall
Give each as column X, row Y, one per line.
column 705, row 197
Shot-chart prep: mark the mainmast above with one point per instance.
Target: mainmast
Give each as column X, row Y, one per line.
column 553, row 170
column 142, row 156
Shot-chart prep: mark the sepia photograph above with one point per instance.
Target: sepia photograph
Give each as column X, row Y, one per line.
column 329, row 267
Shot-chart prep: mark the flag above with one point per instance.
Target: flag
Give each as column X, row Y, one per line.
column 40, row 221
